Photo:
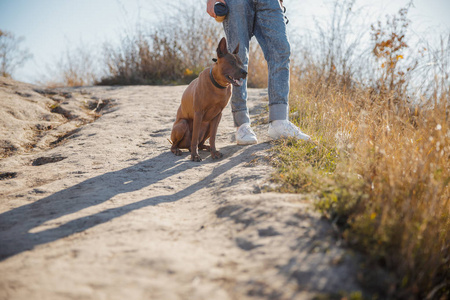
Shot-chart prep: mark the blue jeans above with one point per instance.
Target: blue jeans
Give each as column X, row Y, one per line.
column 263, row 19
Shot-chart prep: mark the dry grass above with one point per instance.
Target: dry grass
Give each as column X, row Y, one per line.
column 382, row 176
column 174, row 52
column 381, row 166
column 75, row 67
column 257, row 67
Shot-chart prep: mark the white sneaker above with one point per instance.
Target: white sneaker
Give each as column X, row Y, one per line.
column 245, row 135
column 284, row 128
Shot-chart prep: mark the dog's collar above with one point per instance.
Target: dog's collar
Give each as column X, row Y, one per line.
column 216, row 84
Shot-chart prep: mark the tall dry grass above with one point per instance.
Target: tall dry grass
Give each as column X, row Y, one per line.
column 381, row 166
column 382, row 176
column 257, row 67
column 175, row 51
column 75, row 67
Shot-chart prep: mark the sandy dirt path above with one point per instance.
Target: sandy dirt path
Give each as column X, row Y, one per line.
column 115, row 215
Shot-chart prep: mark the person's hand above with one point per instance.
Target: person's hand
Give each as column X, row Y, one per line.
column 210, row 7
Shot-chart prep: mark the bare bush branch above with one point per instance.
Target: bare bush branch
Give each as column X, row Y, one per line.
column 12, row 56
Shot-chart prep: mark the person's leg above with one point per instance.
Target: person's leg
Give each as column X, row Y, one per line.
column 270, row 31
column 238, row 27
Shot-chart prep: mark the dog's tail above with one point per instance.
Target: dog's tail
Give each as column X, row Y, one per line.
column 170, row 141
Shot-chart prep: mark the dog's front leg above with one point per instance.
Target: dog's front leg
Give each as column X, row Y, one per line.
column 198, row 118
column 212, row 138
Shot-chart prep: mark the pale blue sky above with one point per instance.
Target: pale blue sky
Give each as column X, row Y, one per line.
column 50, row 26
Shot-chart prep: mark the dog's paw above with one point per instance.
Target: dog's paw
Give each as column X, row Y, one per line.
column 203, row 147
column 216, row 155
column 196, row 158
column 177, row 152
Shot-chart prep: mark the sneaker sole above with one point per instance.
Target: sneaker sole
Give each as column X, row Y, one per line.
column 242, row 143
column 277, row 137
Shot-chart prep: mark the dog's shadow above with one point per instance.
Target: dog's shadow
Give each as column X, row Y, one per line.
column 16, row 225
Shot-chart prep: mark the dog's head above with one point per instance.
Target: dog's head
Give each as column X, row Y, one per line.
column 230, row 65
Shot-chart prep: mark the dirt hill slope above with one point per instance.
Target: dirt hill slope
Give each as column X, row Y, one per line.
column 108, row 212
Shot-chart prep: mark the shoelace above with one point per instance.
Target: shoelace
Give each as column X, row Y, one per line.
column 290, row 128
column 247, row 130
column 294, row 130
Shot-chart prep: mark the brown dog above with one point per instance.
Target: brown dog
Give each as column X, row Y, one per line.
column 202, row 103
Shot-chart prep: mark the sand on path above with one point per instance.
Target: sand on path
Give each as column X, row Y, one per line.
column 111, row 213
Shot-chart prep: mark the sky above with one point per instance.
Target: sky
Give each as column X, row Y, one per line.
column 49, row 27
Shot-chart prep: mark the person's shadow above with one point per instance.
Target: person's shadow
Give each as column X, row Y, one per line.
column 16, row 225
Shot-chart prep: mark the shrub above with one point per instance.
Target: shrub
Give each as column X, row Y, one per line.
column 176, row 51
column 12, row 55
column 75, row 67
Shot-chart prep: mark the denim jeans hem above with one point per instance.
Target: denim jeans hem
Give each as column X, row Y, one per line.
column 240, row 117
column 278, row 112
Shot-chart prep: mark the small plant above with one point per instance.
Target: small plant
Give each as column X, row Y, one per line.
column 389, row 50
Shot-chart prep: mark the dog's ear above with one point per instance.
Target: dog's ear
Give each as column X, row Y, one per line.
column 236, row 51
column 222, row 49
